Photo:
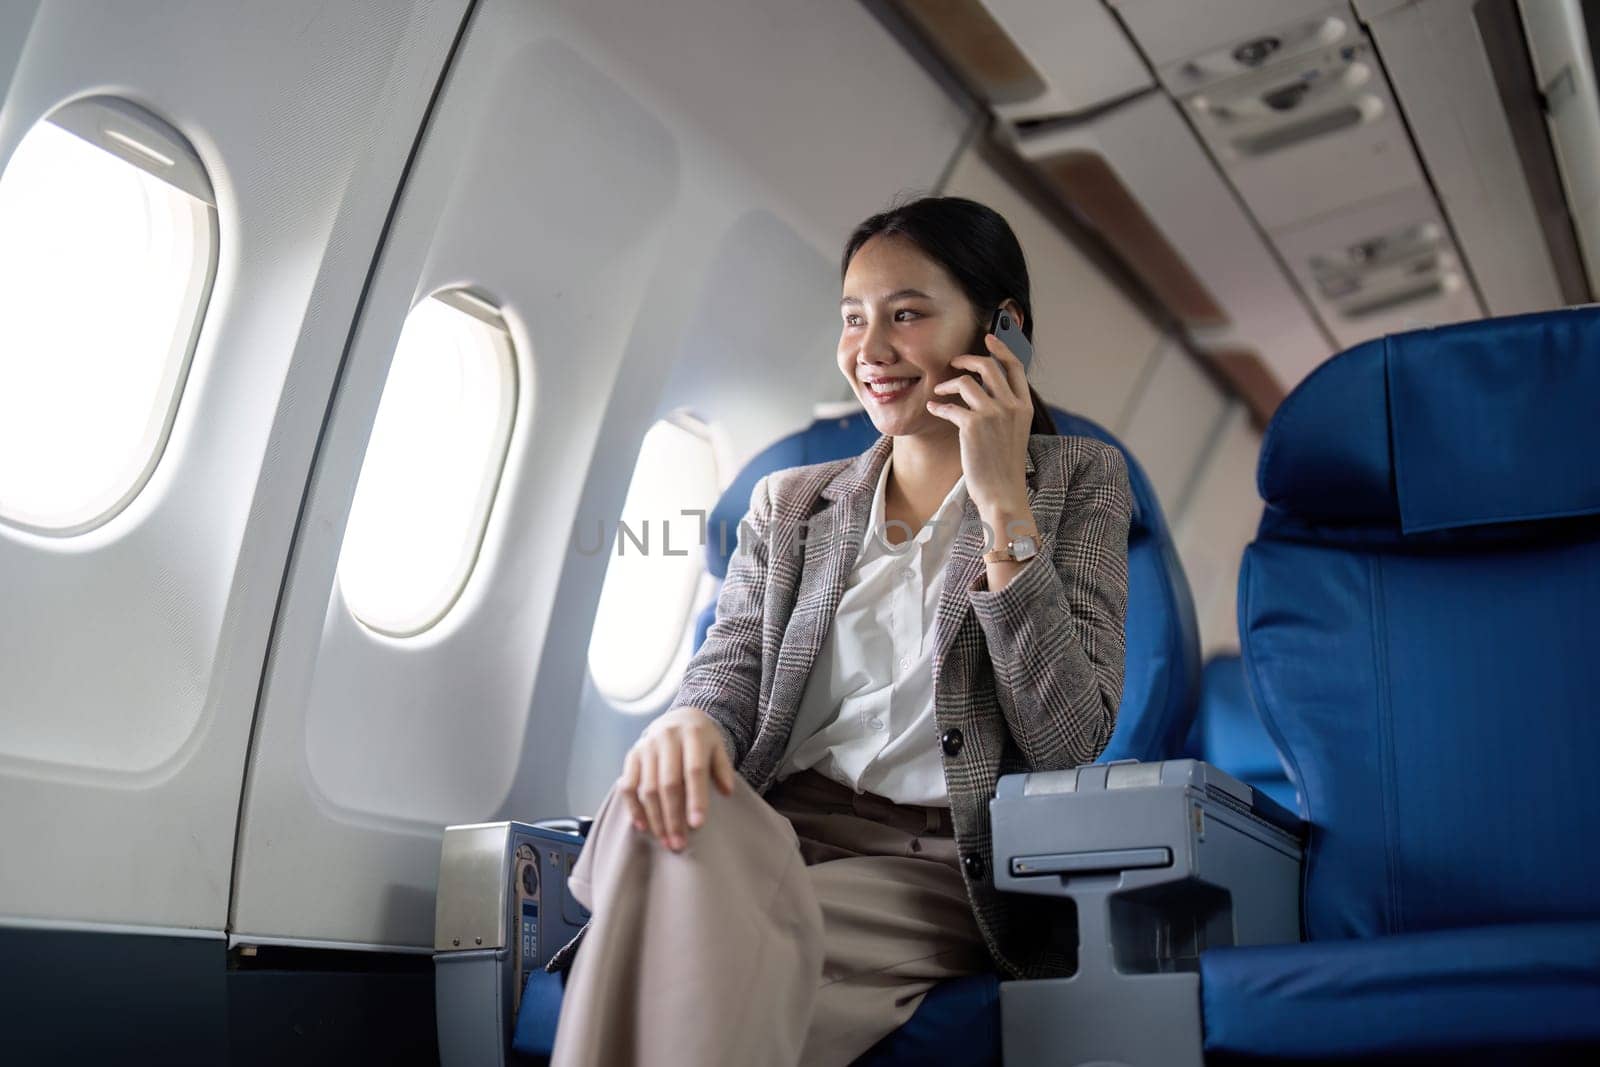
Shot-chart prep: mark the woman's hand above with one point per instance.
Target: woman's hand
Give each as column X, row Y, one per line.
column 666, row 775
column 994, row 426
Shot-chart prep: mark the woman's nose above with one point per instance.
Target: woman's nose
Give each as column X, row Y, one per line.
column 874, row 346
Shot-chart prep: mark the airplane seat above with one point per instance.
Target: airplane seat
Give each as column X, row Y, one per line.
column 1228, row 732
column 1417, row 614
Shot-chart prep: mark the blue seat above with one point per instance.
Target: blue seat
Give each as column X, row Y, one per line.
column 1228, row 732
column 959, row 1020
column 1419, row 614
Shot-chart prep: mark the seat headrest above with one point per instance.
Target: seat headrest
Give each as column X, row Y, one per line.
column 1447, row 429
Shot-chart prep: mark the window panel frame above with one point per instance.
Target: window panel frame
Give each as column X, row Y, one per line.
column 148, row 143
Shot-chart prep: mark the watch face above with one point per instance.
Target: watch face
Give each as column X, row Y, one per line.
column 1024, row 548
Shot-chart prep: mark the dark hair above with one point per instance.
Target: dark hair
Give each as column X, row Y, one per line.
column 976, row 246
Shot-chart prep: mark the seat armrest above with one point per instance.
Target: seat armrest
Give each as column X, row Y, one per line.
column 1158, row 862
column 502, row 910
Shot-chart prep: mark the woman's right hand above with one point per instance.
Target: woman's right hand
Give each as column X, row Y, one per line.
column 668, row 771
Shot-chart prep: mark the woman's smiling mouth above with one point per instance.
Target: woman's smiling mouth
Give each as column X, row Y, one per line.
column 887, row 390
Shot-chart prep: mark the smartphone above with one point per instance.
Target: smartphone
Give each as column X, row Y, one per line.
column 1005, row 327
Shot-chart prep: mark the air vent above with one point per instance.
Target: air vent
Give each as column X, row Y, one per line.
column 1387, row 271
column 1385, row 265
column 1308, row 133
column 1253, row 53
column 1290, row 104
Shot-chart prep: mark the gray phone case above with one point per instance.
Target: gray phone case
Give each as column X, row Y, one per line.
column 1005, row 327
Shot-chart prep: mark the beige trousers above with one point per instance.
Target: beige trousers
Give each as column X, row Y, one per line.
column 799, row 931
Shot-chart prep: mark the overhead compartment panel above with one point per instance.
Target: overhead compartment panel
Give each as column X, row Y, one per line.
column 1309, row 135
column 1139, row 176
column 1437, row 54
column 1032, row 59
column 1294, row 107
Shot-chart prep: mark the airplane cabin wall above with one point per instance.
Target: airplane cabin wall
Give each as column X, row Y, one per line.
column 130, row 655
column 1222, row 511
column 657, row 245
column 15, row 18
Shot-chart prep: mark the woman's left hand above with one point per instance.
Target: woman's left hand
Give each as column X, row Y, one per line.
column 994, row 425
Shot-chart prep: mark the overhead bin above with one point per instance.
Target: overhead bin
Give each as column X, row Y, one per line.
column 1294, row 107
column 1137, row 174
column 1309, row 135
column 1033, row 59
column 1557, row 36
column 1464, row 80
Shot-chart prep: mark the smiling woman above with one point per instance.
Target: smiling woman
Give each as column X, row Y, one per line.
column 855, row 696
column 965, row 263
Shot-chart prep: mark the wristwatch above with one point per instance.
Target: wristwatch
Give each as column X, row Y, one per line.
column 1017, row 550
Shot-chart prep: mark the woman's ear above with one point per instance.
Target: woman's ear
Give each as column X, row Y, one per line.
column 1016, row 312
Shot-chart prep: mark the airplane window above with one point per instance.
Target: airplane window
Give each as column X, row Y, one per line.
column 432, row 465
column 657, row 562
column 109, row 252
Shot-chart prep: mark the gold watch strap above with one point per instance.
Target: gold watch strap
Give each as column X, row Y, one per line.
column 1003, row 553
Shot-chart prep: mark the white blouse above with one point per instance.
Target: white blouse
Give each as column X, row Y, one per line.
column 866, row 718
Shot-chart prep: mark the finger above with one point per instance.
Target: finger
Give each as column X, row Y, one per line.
column 722, row 769
column 952, row 386
column 696, row 778
column 669, row 779
column 627, row 784
column 969, row 389
column 992, row 372
column 950, row 413
column 649, row 795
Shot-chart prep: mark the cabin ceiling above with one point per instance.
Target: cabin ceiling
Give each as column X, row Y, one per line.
column 1288, row 178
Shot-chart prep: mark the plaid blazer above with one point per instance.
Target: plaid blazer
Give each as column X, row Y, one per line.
column 1031, row 675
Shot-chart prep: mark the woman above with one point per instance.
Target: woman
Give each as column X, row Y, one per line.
column 800, row 848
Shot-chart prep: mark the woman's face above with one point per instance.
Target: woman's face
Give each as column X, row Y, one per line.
column 904, row 319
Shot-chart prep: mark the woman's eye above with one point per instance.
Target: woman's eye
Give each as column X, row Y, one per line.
column 906, row 315
column 852, row 320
